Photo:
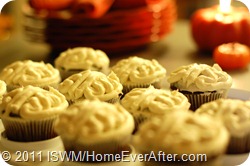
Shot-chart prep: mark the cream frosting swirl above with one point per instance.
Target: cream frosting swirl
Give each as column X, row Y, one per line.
column 82, row 58
column 3, row 89
column 200, row 77
column 93, row 121
column 31, row 102
column 156, row 101
column 27, row 72
column 182, row 133
column 91, row 85
column 136, row 70
column 234, row 113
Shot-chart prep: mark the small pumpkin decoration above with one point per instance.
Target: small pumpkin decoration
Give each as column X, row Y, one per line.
column 232, row 56
column 211, row 28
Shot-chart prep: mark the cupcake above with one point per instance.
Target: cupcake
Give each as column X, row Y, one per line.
column 235, row 115
column 95, row 127
column 3, row 89
column 200, row 83
column 145, row 103
column 182, row 133
column 79, row 59
column 136, row 72
column 91, row 85
column 27, row 72
column 28, row 113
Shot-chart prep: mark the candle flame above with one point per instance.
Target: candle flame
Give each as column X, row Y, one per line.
column 225, row 6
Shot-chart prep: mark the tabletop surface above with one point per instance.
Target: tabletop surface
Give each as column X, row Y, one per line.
column 174, row 50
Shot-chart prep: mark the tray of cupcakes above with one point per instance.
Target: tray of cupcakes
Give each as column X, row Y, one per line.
column 122, row 114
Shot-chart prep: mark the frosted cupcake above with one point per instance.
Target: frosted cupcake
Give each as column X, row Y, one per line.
column 91, row 85
column 95, row 126
column 201, row 83
column 3, row 89
column 145, row 103
column 79, row 59
column 27, row 72
column 136, row 72
column 179, row 133
column 28, row 113
column 235, row 115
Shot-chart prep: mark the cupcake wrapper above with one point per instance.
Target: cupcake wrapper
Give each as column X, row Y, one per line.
column 239, row 145
column 139, row 119
column 114, row 100
column 29, row 130
column 197, row 99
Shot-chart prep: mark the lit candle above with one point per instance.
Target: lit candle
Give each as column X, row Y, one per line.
column 220, row 24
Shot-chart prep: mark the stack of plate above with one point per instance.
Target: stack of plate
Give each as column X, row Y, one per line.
column 116, row 31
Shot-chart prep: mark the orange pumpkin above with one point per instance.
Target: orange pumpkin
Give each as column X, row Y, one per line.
column 50, row 4
column 211, row 28
column 232, row 56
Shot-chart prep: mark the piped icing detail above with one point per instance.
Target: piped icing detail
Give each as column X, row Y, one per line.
column 94, row 121
column 33, row 103
column 200, row 77
column 82, row 58
column 91, row 85
column 156, row 101
column 234, row 113
column 182, row 133
column 136, row 70
column 27, row 72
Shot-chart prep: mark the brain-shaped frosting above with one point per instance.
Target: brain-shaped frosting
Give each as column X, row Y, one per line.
column 234, row 113
column 200, row 77
column 80, row 58
column 91, row 85
column 33, row 103
column 181, row 133
column 2, row 88
column 135, row 70
column 94, row 121
column 157, row 101
column 23, row 73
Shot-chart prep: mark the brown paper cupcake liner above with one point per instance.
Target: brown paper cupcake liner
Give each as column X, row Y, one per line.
column 139, row 119
column 114, row 100
column 239, row 145
column 21, row 130
column 196, row 99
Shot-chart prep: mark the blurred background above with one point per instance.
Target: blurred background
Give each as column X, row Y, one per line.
column 14, row 45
